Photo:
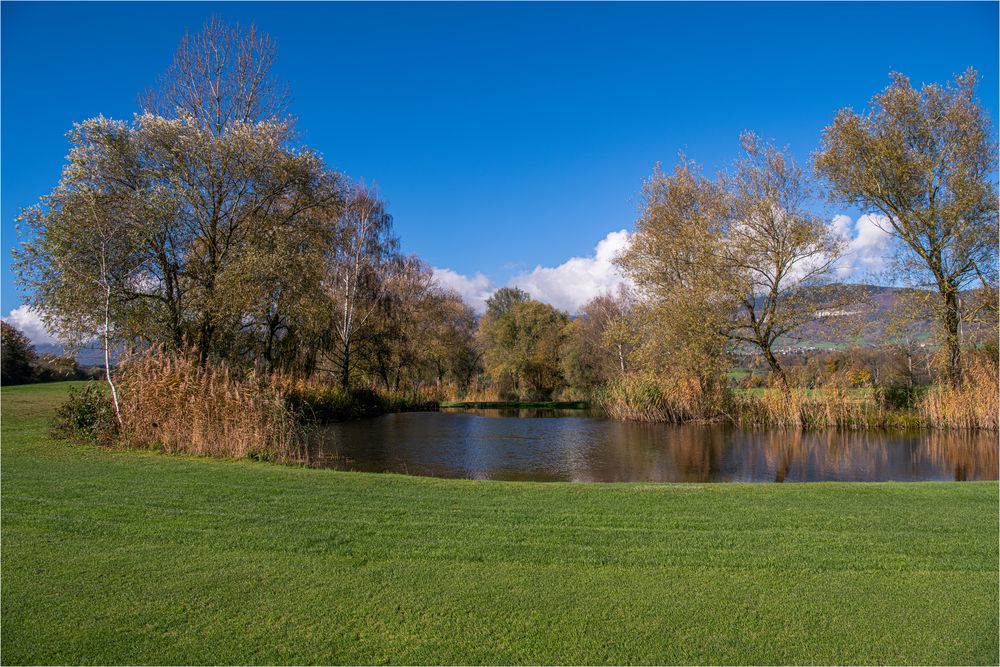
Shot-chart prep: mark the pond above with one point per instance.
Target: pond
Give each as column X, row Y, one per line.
column 572, row 445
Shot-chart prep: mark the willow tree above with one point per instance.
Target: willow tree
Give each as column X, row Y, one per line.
column 229, row 209
column 925, row 160
column 673, row 261
column 217, row 131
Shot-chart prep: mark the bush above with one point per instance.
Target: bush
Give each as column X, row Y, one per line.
column 87, row 414
column 325, row 403
column 899, row 397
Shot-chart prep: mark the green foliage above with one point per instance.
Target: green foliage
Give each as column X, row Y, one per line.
column 323, row 403
column 504, row 299
column 521, row 348
column 17, row 356
column 87, row 414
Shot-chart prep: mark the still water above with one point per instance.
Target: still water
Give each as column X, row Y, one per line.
column 570, row 445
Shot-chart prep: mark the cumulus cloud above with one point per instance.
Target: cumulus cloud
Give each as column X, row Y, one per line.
column 474, row 290
column 579, row 279
column 868, row 246
column 567, row 286
column 29, row 321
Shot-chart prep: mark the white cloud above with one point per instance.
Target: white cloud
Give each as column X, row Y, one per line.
column 474, row 290
column 567, row 286
column 579, row 279
column 29, row 321
column 868, row 246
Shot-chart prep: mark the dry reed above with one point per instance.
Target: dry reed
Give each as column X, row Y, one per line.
column 828, row 407
column 676, row 399
column 972, row 404
column 173, row 403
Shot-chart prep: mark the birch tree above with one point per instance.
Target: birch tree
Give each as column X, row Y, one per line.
column 363, row 252
column 82, row 262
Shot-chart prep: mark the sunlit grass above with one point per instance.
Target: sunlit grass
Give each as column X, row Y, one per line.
column 136, row 557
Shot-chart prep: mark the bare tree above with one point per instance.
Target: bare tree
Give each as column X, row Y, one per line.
column 220, row 77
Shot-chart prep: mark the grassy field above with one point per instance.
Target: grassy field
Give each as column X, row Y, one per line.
column 130, row 557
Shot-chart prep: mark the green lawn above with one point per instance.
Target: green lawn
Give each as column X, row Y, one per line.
column 129, row 557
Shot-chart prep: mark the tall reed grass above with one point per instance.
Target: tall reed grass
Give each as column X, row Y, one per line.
column 972, row 404
column 826, row 407
column 173, row 403
column 674, row 400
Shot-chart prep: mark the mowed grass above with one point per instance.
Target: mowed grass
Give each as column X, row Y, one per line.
column 131, row 557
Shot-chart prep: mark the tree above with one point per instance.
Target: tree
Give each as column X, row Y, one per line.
column 601, row 341
column 740, row 250
column 227, row 212
column 773, row 249
column 926, row 161
column 217, row 128
column 220, row 78
column 422, row 337
column 364, row 252
column 84, row 260
column 521, row 342
column 505, row 298
column 17, row 355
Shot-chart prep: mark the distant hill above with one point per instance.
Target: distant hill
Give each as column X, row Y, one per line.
column 865, row 322
column 88, row 356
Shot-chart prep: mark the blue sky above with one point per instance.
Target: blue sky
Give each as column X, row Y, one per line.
column 505, row 136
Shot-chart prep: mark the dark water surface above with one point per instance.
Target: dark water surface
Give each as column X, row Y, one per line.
column 570, row 445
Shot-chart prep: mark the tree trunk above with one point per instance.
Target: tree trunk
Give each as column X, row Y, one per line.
column 951, row 319
column 107, row 341
column 345, row 369
column 776, row 369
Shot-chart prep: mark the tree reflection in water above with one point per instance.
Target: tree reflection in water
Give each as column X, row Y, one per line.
column 552, row 446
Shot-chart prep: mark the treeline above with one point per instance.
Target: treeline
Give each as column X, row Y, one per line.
column 21, row 364
column 739, row 264
column 204, row 227
column 203, row 240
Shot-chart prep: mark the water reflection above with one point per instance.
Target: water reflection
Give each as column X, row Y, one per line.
column 533, row 445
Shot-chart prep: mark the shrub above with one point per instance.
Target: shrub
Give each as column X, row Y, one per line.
column 87, row 414
column 324, row 403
